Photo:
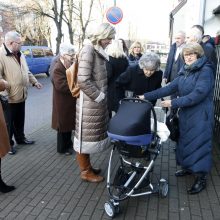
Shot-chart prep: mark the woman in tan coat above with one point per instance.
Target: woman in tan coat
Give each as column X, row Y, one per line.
column 4, row 140
column 91, row 111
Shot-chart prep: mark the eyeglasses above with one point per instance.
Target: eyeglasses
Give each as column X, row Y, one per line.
column 71, row 55
column 19, row 43
column 147, row 71
column 189, row 54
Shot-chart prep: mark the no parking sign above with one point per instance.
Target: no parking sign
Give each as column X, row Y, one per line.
column 114, row 15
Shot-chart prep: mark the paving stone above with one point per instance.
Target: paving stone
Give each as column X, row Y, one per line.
column 48, row 186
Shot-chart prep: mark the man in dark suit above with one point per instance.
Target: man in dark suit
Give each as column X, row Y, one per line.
column 174, row 61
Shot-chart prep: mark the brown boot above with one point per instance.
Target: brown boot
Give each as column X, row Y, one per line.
column 87, row 172
column 90, row 176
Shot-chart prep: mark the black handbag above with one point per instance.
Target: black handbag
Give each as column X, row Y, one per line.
column 172, row 122
column 4, row 102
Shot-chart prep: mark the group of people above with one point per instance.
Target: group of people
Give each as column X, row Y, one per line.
column 190, row 69
column 108, row 72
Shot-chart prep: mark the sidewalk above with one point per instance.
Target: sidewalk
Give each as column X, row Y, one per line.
column 49, row 187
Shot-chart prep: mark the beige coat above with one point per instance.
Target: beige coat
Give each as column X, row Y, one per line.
column 92, row 80
column 18, row 76
column 4, row 139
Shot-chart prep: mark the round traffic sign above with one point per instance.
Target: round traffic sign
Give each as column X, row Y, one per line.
column 114, row 15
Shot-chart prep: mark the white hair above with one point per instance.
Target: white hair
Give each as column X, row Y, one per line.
column 101, row 32
column 194, row 35
column 149, row 61
column 67, row 48
column 115, row 49
column 181, row 33
column 12, row 36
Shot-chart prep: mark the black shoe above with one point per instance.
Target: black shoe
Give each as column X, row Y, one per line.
column 5, row 188
column 198, row 185
column 12, row 151
column 67, row 153
column 182, row 172
column 26, row 141
column 96, row 170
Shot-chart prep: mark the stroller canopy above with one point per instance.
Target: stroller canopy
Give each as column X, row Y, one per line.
column 132, row 119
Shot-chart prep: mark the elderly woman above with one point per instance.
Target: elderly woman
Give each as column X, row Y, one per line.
column 117, row 64
column 64, row 104
column 135, row 53
column 4, row 140
column 91, row 111
column 194, row 85
column 140, row 78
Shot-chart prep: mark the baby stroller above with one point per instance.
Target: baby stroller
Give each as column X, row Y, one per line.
column 137, row 146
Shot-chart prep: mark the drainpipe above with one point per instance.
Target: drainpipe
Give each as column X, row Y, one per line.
column 202, row 12
column 172, row 13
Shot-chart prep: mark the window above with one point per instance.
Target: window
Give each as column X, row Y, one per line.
column 48, row 52
column 38, row 52
column 27, row 52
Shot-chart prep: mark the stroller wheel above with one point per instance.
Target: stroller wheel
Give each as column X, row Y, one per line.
column 111, row 209
column 163, row 188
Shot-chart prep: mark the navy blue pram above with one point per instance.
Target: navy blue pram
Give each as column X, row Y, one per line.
column 137, row 147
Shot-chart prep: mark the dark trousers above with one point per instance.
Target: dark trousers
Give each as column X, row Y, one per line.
column 15, row 118
column 64, row 141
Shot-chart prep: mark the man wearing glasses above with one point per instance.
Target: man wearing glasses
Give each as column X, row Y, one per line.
column 14, row 69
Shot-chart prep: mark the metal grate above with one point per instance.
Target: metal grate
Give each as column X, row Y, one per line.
column 217, row 98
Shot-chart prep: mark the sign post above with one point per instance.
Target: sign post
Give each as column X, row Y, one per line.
column 114, row 15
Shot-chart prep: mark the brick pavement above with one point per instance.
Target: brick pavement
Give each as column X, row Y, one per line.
column 49, row 187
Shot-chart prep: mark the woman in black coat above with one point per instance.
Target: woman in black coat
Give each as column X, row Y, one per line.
column 140, row 78
column 117, row 64
column 135, row 53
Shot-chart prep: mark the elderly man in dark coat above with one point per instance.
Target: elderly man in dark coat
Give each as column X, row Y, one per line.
column 64, row 104
column 195, row 85
column 174, row 60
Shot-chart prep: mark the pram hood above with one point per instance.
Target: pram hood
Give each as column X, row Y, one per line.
column 132, row 119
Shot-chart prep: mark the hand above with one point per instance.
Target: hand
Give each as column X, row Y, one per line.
column 6, row 84
column 38, row 85
column 165, row 80
column 141, row 96
column 166, row 103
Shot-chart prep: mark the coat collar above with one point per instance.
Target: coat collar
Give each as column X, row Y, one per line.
column 101, row 51
column 98, row 49
column 8, row 52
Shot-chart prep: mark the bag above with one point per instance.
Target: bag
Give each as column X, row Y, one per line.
column 172, row 122
column 71, row 75
column 4, row 102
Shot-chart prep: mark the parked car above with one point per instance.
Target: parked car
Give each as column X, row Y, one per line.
column 38, row 58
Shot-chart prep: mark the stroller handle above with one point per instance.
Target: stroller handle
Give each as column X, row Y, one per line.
column 152, row 110
column 166, row 109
